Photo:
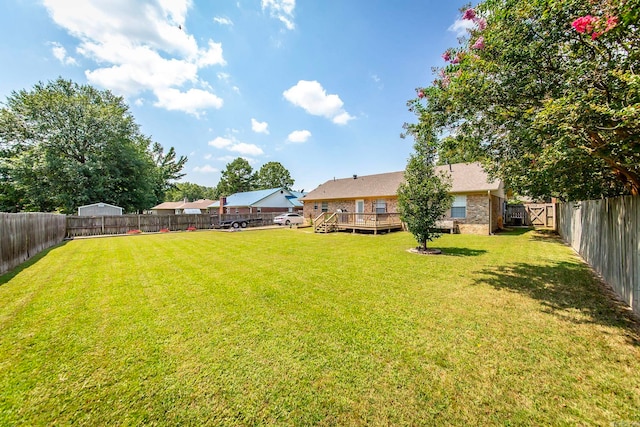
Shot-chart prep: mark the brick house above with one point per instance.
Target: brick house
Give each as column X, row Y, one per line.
column 477, row 208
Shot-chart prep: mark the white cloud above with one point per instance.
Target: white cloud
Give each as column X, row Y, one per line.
column 211, row 56
column 377, row 80
column 248, row 149
column 299, row 136
column 192, row 101
column 225, row 159
column 342, row 118
column 311, row 96
column 259, row 127
column 60, row 53
column 205, row 169
column 232, row 144
column 140, row 47
column 281, row 10
column 223, row 20
column 220, row 142
column 461, row 26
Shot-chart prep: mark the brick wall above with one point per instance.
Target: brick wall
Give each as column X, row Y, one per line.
column 313, row 208
column 475, row 222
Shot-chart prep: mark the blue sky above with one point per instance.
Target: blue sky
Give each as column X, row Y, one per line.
column 317, row 85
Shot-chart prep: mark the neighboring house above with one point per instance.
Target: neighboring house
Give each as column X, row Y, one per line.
column 259, row 201
column 99, row 209
column 177, row 208
column 478, row 202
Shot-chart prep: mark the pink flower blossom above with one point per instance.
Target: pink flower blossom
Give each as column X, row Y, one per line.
column 479, row 44
column 481, row 22
column 457, row 59
column 584, row 24
column 446, row 56
column 592, row 25
column 420, row 94
column 612, row 21
column 469, row 14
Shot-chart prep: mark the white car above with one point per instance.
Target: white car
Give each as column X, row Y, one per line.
column 288, row 219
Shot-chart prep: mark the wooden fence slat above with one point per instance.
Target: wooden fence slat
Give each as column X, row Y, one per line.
column 80, row 226
column 23, row 235
column 606, row 234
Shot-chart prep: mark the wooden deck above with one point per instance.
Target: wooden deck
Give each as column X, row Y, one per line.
column 357, row 222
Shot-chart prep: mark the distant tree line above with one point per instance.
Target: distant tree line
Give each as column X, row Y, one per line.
column 237, row 177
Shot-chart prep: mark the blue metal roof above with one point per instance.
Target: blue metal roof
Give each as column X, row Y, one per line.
column 250, row 198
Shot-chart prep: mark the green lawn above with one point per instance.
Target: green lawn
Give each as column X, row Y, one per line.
column 288, row 327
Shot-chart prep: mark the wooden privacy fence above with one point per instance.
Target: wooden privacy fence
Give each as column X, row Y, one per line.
column 531, row 214
column 23, row 235
column 80, row 226
column 606, row 233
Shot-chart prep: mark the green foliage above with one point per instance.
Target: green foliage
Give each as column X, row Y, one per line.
column 424, row 197
column 190, row 191
column 63, row 145
column 237, row 177
column 273, row 175
column 168, row 169
column 553, row 108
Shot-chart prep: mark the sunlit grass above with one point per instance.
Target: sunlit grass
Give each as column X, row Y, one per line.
column 288, row 327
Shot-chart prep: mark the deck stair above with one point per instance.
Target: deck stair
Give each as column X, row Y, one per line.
column 325, row 223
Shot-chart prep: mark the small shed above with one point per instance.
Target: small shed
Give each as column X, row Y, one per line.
column 99, row 209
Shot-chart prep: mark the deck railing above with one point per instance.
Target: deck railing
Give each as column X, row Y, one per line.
column 357, row 221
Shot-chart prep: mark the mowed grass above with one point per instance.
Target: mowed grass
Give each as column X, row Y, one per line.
column 287, row 327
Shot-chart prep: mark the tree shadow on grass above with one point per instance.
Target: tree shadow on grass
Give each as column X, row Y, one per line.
column 513, row 231
column 462, row 251
column 6, row 277
column 563, row 288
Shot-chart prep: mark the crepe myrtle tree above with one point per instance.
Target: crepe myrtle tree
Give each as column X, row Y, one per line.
column 546, row 93
column 423, row 198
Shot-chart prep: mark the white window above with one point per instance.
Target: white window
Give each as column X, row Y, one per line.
column 459, row 207
column 325, row 206
column 381, row 206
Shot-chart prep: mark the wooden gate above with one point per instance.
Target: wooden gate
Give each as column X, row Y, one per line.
column 532, row 214
column 542, row 214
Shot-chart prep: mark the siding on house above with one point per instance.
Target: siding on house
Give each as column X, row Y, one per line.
column 263, row 201
column 99, row 209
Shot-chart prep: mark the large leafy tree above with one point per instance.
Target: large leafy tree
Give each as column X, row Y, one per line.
column 168, row 169
column 190, row 191
column 273, row 175
column 547, row 92
column 423, row 198
column 237, row 177
column 63, row 145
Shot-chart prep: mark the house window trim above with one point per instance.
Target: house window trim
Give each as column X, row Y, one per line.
column 459, row 203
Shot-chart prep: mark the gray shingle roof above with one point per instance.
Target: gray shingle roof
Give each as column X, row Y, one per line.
column 466, row 178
